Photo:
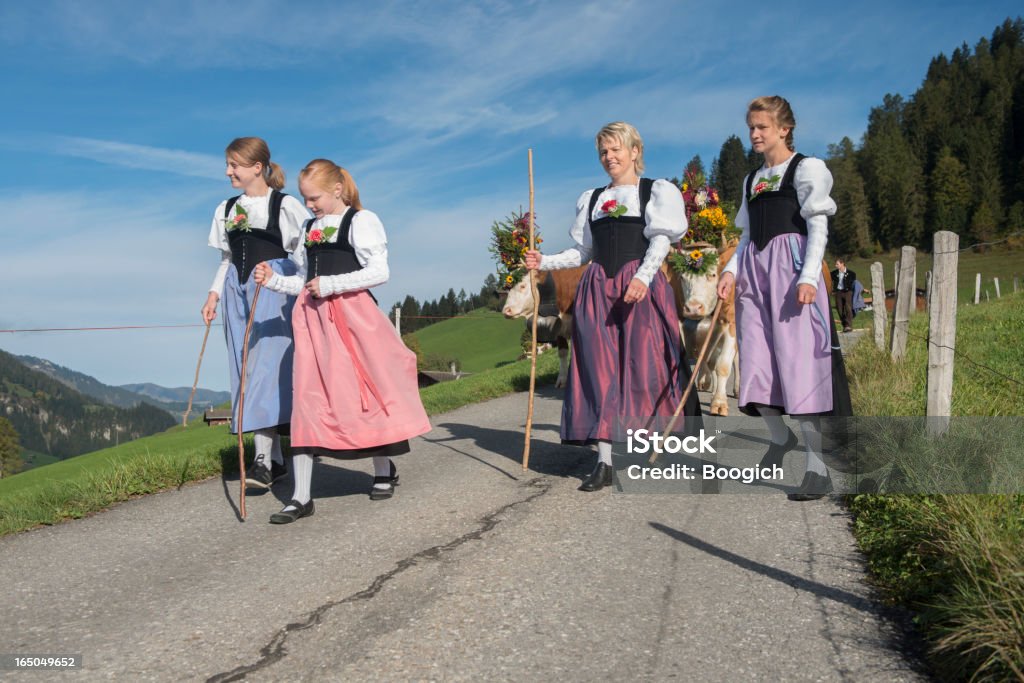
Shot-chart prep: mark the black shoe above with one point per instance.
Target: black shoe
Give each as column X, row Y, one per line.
column 259, row 476
column 813, row 487
column 847, row 329
column 598, row 479
column 288, row 516
column 391, row 480
column 777, row 451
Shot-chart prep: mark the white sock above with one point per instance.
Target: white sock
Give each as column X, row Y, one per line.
column 773, row 418
column 264, row 442
column 381, row 468
column 302, row 475
column 812, row 437
column 604, row 452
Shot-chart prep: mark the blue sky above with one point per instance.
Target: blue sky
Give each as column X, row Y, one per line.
column 116, row 115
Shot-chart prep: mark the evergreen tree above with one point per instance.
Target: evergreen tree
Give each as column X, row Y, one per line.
column 849, row 231
column 894, row 177
column 983, row 224
column 730, row 168
column 10, row 449
column 949, row 195
column 410, row 314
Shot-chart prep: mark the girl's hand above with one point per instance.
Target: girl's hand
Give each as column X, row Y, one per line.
column 725, row 284
column 806, row 293
column 209, row 310
column 636, row 291
column 533, row 258
column 313, row 287
column 262, row 273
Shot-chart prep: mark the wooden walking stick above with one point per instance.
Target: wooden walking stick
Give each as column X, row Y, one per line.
column 536, row 312
column 693, row 379
column 241, row 402
column 199, row 363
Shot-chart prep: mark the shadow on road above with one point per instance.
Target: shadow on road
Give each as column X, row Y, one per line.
column 545, row 457
column 781, row 575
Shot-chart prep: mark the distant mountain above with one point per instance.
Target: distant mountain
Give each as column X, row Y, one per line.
column 173, row 401
column 55, row 419
column 179, row 394
column 85, row 384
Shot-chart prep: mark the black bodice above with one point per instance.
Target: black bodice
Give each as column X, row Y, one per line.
column 251, row 248
column 617, row 241
column 775, row 212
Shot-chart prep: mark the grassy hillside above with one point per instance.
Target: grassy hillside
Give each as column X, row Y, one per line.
column 1001, row 261
column 481, row 340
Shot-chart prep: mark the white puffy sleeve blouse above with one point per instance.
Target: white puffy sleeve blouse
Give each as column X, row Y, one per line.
column 665, row 221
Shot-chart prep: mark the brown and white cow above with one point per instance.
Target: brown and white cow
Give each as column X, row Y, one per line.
column 696, row 299
column 557, row 291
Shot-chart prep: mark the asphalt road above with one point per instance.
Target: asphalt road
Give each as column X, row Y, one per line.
column 475, row 570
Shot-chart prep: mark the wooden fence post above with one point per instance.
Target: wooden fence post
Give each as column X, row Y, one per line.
column 398, row 320
column 942, row 331
column 998, row 295
column 928, row 288
column 977, row 289
column 906, row 297
column 878, row 303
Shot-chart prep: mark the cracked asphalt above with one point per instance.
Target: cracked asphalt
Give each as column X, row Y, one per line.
column 475, row 570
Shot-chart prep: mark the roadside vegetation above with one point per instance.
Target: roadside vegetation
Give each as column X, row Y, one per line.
column 957, row 561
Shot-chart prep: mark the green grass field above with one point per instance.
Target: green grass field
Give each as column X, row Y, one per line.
column 481, row 340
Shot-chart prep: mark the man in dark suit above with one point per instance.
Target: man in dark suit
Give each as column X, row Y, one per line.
column 842, row 285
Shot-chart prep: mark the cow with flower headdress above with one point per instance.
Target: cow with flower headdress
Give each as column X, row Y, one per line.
column 693, row 271
column 556, row 290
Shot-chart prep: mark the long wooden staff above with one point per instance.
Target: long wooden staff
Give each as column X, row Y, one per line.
column 241, row 401
column 693, row 378
column 536, row 312
column 199, row 363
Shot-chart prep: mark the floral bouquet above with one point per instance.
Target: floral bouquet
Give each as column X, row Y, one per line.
column 240, row 221
column 318, row 236
column 510, row 239
column 707, row 220
column 693, row 261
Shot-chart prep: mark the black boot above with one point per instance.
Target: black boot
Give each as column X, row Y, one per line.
column 777, row 451
column 813, row 487
column 598, row 479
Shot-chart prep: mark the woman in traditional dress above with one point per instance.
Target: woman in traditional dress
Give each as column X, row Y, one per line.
column 356, row 393
column 790, row 361
column 627, row 363
column 261, row 224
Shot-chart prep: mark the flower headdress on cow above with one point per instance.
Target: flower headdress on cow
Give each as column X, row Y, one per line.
column 708, row 222
column 705, row 216
column 693, row 259
column 510, row 238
